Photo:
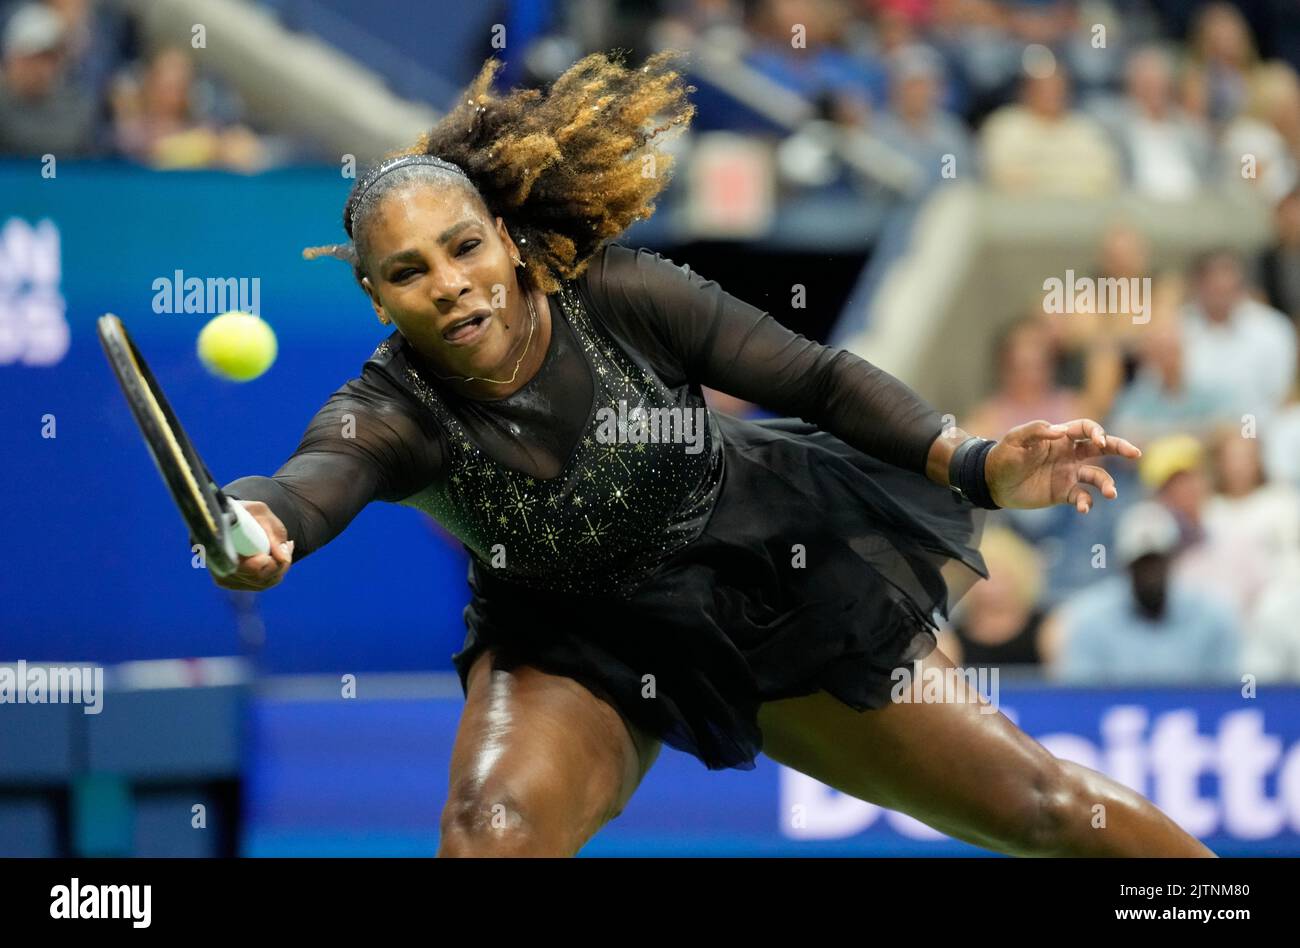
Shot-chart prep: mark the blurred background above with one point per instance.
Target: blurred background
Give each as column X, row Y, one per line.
column 902, row 178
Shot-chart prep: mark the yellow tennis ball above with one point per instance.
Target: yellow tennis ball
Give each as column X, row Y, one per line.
column 237, row 346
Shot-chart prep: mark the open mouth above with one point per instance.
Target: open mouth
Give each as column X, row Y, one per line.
column 467, row 330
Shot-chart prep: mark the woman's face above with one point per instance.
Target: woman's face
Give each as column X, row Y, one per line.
column 1026, row 364
column 167, row 85
column 1238, row 466
column 1223, row 36
column 434, row 257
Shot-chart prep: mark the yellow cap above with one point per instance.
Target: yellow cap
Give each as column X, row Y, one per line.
column 1167, row 456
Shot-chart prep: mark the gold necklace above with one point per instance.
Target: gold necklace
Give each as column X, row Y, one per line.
column 532, row 310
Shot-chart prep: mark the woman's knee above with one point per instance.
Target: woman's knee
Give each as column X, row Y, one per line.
column 490, row 819
column 1052, row 809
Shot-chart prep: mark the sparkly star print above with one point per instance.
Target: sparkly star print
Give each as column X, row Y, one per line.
column 521, row 503
column 551, row 535
column 594, row 531
column 611, row 515
column 612, row 455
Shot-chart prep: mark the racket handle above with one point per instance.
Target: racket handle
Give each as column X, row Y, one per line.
column 247, row 534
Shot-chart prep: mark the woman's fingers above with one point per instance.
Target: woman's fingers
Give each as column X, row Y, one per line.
column 262, row 570
column 1099, row 478
column 1037, row 430
column 1084, row 429
column 1080, row 498
column 1114, row 445
column 267, row 568
column 1096, row 476
column 1090, row 439
column 1080, row 429
column 263, row 566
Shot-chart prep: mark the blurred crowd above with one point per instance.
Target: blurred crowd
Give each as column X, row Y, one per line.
column 76, row 81
column 1193, row 573
column 1038, row 96
column 1035, row 96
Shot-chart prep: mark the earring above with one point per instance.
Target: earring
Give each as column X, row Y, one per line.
column 520, row 263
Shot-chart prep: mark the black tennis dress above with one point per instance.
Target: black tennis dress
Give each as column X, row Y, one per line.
column 684, row 565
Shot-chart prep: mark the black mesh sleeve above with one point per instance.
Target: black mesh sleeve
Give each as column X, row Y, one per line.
column 691, row 330
column 366, row 443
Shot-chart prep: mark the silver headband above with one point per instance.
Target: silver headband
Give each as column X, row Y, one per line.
column 401, row 161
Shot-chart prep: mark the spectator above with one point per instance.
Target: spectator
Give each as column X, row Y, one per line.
column 894, row 28
column 41, row 112
column 1098, row 349
column 914, row 124
column 987, row 40
column 1026, row 389
column 1040, row 147
column 821, row 69
column 99, row 41
column 1280, row 266
column 1161, row 400
column 1223, row 57
column 157, row 123
column 997, row 623
column 1262, row 145
column 1166, row 153
column 1272, row 647
column 1282, row 444
column 1144, row 626
column 1218, row 557
column 1246, row 500
column 686, row 23
column 1234, row 342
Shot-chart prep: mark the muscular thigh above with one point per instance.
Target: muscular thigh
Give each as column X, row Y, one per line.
column 539, row 764
column 970, row 774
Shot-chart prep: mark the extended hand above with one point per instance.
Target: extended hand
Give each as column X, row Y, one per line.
column 1039, row 464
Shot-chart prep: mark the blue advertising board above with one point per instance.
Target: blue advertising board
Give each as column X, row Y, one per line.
column 353, row 777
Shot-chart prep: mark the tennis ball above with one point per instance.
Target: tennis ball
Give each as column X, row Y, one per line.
column 237, row 346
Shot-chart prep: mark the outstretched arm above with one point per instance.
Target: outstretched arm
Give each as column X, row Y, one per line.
column 693, row 329
column 364, row 444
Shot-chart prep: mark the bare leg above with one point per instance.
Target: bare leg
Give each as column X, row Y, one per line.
column 976, row 777
column 539, row 765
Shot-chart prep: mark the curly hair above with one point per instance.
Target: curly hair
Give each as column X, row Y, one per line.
column 567, row 169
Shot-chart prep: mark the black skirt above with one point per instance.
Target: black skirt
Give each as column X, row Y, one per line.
column 820, row 568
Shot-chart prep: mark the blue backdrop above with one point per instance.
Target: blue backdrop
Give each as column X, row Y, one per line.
column 97, row 566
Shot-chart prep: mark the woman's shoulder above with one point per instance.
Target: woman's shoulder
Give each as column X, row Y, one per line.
column 640, row 296
column 645, row 293
column 621, row 271
column 385, row 353
column 382, row 387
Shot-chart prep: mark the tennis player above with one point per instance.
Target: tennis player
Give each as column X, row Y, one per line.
column 644, row 570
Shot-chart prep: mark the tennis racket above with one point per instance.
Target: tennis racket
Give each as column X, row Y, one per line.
column 220, row 524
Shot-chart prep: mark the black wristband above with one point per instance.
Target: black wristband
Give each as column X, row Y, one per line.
column 966, row 472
